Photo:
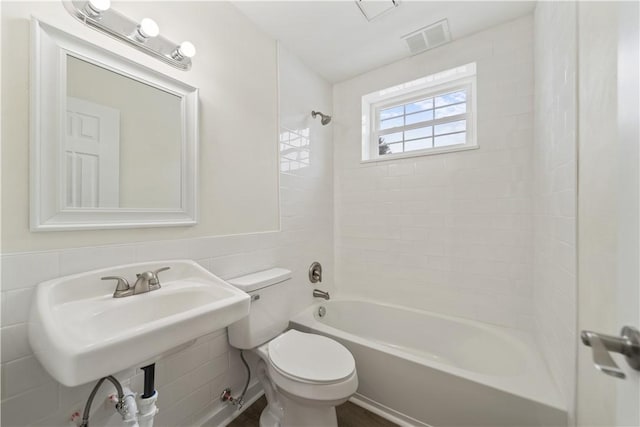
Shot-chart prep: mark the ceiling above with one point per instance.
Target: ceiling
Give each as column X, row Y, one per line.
column 335, row 39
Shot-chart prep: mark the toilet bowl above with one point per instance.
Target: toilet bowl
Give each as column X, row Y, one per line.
column 308, row 376
column 304, row 375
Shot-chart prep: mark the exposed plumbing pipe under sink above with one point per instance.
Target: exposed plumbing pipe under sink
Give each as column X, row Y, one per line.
column 136, row 411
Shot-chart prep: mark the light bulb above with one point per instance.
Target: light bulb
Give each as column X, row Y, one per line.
column 96, row 7
column 148, row 28
column 187, row 49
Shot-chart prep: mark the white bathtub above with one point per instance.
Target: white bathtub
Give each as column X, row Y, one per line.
column 428, row 369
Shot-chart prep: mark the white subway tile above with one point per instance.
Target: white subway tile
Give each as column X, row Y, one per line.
column 16, row 306
column 184, row 385
column 29, row 407
column 29, row 269
column 554, row 168
column 155, row 251
column 78, row 260
column 21, row 375
column 3, row 309
column 15, row 342
column 179, row 364
column 218, row 346
column 181, row 411
column 70, row 397
column 401, row 168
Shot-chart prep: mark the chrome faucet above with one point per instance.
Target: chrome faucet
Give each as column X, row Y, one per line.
column 145, row 282
column 317, row 293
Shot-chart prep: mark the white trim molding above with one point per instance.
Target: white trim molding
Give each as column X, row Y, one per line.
column 49, row 51
column 461, row 78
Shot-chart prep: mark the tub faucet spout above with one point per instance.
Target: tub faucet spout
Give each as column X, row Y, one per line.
column 317, row 293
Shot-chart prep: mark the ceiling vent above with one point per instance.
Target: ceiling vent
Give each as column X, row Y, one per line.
column 372, row 9
column 428, row 37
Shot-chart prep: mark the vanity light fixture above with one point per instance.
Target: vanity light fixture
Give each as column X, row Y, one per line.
column 143, row 35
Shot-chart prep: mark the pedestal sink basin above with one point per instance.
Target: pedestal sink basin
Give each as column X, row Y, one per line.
column 80, row 333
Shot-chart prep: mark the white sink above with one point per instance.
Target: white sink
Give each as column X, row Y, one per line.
column 80, row 333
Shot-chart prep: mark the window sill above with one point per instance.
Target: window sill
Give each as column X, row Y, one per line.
column 420, row 153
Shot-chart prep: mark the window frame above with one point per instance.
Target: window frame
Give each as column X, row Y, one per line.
column 431, row 86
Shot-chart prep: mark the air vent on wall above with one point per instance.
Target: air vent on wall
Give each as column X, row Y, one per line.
column 428, row 37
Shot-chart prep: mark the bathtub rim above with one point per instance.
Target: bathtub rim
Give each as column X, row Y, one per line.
column 550, row 397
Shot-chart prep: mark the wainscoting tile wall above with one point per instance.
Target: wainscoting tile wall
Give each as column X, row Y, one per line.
column 189, row 382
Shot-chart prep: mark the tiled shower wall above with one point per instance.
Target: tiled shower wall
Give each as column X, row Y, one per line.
column 451, row 232
column 190, row 381
column 554, row 190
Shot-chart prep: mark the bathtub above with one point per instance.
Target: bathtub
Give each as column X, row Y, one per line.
column 425, row 369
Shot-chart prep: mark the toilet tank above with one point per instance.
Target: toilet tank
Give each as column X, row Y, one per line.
column 269, row 311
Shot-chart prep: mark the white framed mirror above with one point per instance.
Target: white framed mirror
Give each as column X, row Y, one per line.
column 113, row 143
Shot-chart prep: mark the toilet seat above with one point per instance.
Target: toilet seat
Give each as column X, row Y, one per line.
column 310, row 358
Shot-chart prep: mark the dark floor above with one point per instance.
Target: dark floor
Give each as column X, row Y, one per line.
column 349, row 415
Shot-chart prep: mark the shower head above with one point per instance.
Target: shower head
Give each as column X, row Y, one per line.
column 325, row 119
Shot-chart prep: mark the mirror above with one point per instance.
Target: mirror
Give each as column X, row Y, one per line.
column 116, row 155
column 113, row 143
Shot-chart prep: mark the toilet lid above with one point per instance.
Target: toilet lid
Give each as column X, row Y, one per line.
column 311, row 357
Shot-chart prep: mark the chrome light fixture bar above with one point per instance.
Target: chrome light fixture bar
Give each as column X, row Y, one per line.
column 143, row 35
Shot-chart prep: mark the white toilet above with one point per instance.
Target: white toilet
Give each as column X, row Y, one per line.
column 304, row 375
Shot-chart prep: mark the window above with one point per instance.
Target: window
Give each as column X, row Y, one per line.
column 294, row 149
column 431, row 115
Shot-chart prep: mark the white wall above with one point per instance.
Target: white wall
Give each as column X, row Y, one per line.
column 452, row 232
column 235, row 70
column 554, row 190
column 189, row 383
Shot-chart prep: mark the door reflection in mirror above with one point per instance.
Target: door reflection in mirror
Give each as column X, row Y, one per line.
column 92, row 155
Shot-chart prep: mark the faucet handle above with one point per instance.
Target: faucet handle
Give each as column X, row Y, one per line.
column 160, row 270
column 154, row 282
column 315, row 272
column 123, row 284
column 122, row 288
